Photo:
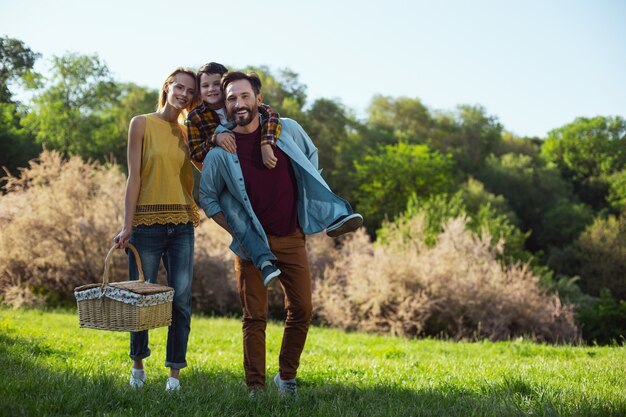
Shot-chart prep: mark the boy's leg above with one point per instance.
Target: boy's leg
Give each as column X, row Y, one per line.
column 254, row 245
column 253, row 297
column 345, row 224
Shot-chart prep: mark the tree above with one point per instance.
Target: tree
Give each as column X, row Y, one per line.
column 16, row 64
column 468, row 134
column 333, row 132
column 387, row 178
column 484, row 213
column 73, row 114
column 587, row 152
column 408, row 119
column 601, row 252
column 133, row 100
column 540, row 197
column 510, row 143
column 17, row 147
column 617, row 191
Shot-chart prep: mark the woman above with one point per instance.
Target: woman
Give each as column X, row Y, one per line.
column 160, row 215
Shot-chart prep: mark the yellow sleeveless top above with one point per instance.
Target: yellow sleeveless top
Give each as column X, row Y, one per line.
column 166, row 176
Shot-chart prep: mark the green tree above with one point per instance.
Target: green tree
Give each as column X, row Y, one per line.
column 334, row 132
column 407, row 118
column 73, row 114
column 587, row 152
column 133, row 100
column 469, row 134
column 511, row 143
column 489, row 215
column 539, row 196
column 601, row 251
column 16, row 65
column 387, row 178
column 17, row 146
column 617, row 191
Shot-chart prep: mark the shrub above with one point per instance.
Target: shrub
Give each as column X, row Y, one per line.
column 56, row 224
column 484, row 212
column 601, row 251
column 604, row 320
column 456, row 288
column 213, row 290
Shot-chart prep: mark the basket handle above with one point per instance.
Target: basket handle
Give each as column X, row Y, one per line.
column 105, row 275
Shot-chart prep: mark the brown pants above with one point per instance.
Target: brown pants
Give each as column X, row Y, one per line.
column 295, row 279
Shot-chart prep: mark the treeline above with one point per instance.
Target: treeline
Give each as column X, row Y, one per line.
column 555, row 203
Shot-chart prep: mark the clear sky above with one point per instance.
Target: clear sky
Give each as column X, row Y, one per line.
column 535, row 65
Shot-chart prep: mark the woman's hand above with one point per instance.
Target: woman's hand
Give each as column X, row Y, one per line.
column 121, row 240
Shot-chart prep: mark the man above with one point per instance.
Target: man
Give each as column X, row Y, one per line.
column 277, row 206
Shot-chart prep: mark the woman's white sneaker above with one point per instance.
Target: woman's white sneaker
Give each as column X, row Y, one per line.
column 172, row 385
column 137, row 377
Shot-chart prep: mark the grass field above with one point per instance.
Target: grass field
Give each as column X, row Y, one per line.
column 51, row 367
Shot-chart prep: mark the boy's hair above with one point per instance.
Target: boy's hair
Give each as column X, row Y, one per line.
column 212, row 68
column 252, row 78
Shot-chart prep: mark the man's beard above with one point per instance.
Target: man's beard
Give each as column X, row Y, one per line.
column 245, row 120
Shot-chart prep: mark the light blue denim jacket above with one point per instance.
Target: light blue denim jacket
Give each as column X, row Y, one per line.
column 222, row 189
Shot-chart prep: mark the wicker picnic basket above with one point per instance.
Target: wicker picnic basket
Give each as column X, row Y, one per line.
column 124, row 306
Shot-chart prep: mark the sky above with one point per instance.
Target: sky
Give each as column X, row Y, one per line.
column 534, row 65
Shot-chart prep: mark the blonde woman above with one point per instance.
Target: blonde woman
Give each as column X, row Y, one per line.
column 160, row 215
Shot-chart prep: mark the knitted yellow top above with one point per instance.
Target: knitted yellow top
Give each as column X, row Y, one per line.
column 166, row 176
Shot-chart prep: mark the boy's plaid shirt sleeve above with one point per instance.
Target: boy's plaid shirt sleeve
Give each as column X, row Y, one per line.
column 270, row 124
column 201, row 125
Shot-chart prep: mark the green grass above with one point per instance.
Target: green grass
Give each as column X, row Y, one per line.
column 51, row 367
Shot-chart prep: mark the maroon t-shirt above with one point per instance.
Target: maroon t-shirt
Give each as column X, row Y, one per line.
column 272, row 192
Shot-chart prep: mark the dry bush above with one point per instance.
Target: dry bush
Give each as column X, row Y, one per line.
column 214, row 290
column 56, row 223
column 457, row 289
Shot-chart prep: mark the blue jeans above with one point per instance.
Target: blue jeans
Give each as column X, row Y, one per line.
column 250, row 243
column 174, row 244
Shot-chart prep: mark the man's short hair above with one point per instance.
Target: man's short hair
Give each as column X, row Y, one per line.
column 212, row 68
column 252, row 78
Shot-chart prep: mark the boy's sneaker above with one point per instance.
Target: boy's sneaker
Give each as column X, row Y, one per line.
column 269, row 273
column 285, row 387
column 137, row 378
column 345, row 224
column 172, row 385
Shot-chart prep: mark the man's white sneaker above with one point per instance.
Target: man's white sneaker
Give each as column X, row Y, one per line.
column 285, row 387
column 172, row 384
column 137, row 378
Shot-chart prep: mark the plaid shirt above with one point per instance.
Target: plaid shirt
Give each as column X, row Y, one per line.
column 202, row 122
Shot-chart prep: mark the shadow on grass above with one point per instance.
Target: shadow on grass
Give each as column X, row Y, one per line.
column 29, row 388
